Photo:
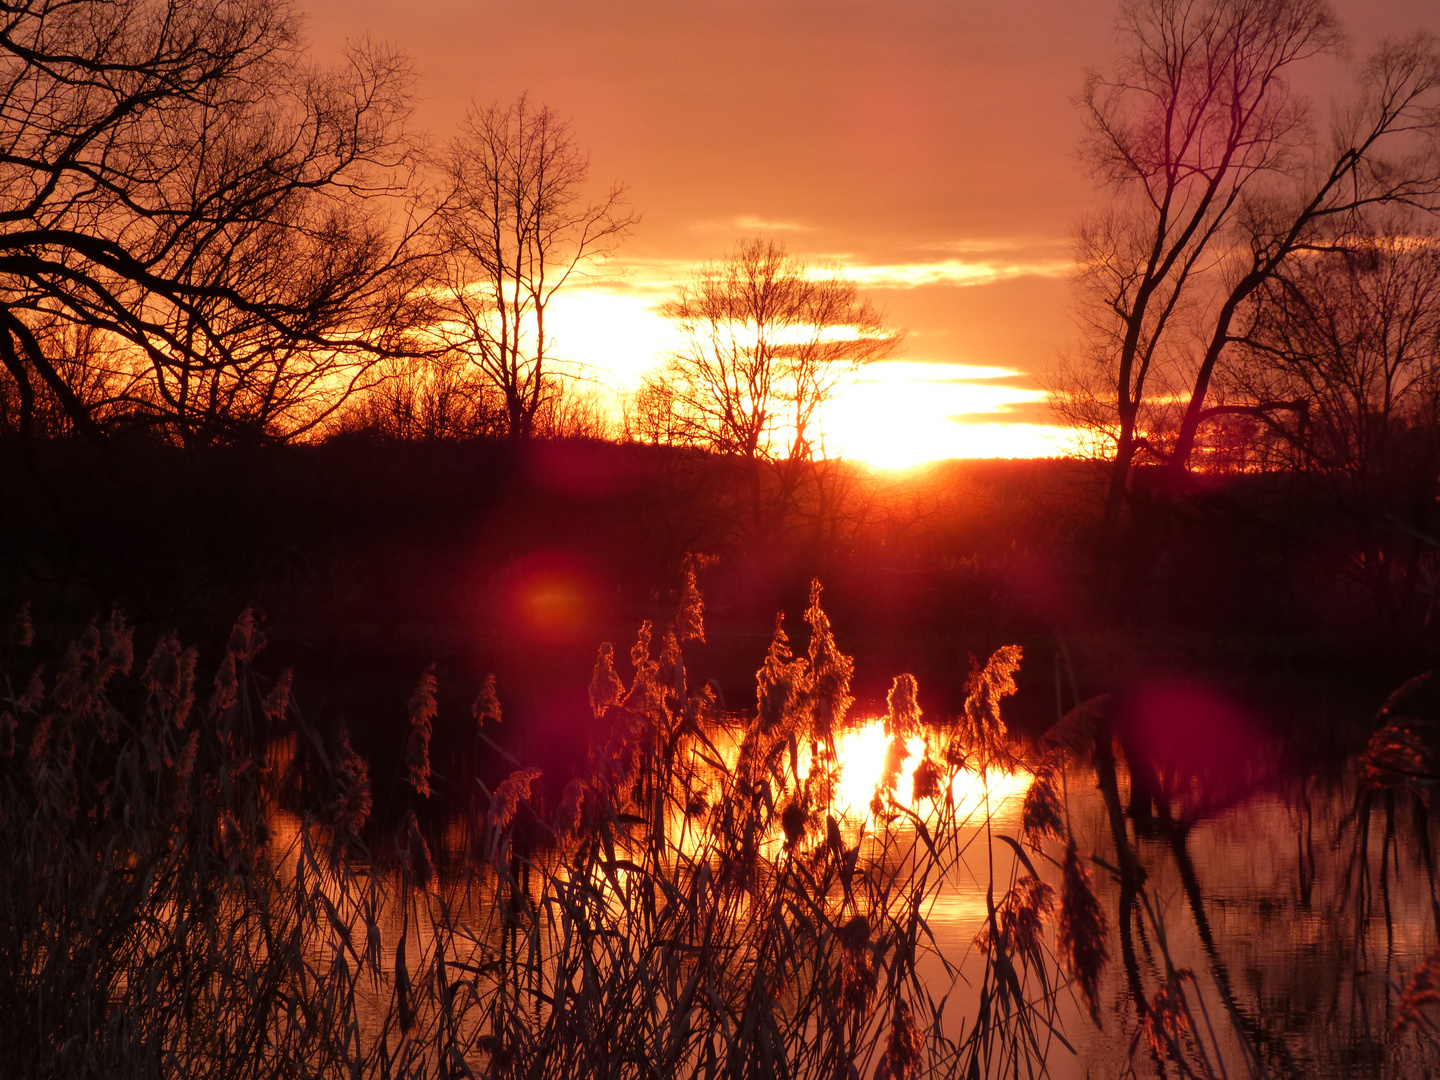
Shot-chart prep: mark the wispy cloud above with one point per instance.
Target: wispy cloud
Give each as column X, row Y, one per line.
column 951, row 272
column 754, row 223
column 658, row 277
column 935, row 371
column 749, row 223
column 979, row 245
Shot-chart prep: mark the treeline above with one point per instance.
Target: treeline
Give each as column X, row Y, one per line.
column 210, row 243
column 208, row 237
column 372, row 559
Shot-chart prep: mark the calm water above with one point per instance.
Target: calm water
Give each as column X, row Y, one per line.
column 1295, row 914
column 1299, row 922
column 1299, row 908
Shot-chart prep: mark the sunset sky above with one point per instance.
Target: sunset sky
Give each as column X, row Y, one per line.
column 927, row 146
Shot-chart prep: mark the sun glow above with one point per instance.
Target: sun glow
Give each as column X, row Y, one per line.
column 898, row 414
column 893, row 414
column 610, row 334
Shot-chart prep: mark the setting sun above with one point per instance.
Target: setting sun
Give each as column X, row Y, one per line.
column 901, row 413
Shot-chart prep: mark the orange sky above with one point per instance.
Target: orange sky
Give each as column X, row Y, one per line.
column 929, row 145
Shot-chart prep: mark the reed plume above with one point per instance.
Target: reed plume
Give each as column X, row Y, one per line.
column 510, row 793
column 830, row 671
column 570, row 814
column 778, row 684
column 1397, row 754
column 422, row 709
column 22, row 632
column 1166, row 1019
column 1081, row 931
column 277, row 701
column 351, row 804
column 415, row 852
column 1020, row 919
column 928, row 782
column 902, row 707
column 1043, row 814
column 606, row 689
column 690, row 621
column 905, row 1048
column 1421, row 992
column 170, row 678
column 486, row 709
column 986, row 688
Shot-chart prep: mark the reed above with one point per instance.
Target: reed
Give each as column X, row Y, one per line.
column 190, row 885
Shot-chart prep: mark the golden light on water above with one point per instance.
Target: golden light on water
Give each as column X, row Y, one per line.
column 861, row 750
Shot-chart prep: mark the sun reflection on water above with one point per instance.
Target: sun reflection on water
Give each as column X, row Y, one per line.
column 861, row 750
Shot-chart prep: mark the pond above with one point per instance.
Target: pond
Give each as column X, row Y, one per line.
column 196, row 883
column 1284, row 918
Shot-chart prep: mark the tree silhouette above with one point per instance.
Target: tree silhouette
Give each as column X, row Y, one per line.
column 177, row 178
column 516, row 228
column 766, row 340
column 1350, row 341
column 1217, row 180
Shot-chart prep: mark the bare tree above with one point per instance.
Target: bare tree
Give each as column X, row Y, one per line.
column 429, row 399
column 517, row 227
column 89, row 363
column 767, row 339
column 650, row 415
column 176, row 176
column 1217, row 180
column 1349, row 342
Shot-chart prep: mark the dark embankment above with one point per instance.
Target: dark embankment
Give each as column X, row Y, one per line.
column 371, row 560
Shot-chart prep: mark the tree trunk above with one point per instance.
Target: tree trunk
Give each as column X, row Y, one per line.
column 1108, row 545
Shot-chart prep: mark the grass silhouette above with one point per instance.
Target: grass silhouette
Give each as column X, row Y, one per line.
column 192, row 883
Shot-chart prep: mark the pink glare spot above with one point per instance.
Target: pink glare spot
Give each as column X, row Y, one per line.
column 1192, row 727
column 552, row 597
column 577, row 469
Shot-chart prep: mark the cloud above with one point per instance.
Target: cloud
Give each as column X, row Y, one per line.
column 913, row 370
column 980, row 246
column 1008, row 260
column 750, row 223
column 631, row 277
column 952, row 272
